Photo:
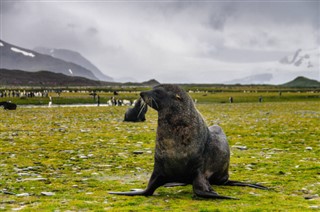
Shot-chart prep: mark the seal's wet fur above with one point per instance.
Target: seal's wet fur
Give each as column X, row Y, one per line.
column 187, row 151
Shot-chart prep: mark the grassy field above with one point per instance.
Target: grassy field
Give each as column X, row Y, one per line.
column 239, row 96
column 68, row 158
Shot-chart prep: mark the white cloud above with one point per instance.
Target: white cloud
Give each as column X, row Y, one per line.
column 270, row 37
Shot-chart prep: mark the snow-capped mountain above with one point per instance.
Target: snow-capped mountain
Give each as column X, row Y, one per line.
column 74, row 57
column 18, row 58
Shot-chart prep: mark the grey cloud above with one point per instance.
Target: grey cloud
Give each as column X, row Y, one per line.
column 286, row 12
column 71, row 26
column 92, row 31
column 158, row 37
column 219, row 17
column 7, row 6
column 217, row 21
column 272, row 42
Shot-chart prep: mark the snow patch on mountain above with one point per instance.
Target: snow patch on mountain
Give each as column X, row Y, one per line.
column 70, row 71
column 1, row 44
column 22, row 52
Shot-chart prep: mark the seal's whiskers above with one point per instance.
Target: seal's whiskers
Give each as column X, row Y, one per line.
column 152, row 100
column 142, row 107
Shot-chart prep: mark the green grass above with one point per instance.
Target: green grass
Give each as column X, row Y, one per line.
column 239, row 96
column 84, row 152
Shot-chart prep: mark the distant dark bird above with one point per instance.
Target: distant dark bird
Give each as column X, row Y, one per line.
column 8, row 105
column 137, row 113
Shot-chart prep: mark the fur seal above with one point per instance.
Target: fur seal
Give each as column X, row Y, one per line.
column 187, row 151
column 8, row 105
column 137, row 113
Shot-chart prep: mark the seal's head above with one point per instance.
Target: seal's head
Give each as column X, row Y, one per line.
column 166, row 96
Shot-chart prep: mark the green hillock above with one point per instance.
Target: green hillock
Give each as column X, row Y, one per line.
column 302, row 82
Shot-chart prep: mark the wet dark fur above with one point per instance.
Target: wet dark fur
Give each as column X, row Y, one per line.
column 187, row 151
column 137, row 113
column 8, row 105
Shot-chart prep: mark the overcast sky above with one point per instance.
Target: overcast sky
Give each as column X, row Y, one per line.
column 171, row 41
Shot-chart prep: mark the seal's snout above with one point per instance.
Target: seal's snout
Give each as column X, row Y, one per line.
column 149, row 99
column 142, row 94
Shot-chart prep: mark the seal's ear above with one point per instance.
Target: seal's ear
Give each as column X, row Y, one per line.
column 178, row 97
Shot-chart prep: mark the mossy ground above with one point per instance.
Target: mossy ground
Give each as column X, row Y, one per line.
column 83, row 152
column 204, row 97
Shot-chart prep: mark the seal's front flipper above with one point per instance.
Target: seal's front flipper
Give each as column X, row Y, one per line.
column 238, row 183
column 211, row 194
column 202, row 188
column 174, row 184
column 154, row 182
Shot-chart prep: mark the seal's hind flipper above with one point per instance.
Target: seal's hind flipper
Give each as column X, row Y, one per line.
column 132, row 193
column 238, row 183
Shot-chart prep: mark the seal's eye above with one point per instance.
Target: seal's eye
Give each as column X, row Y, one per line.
column 178, row 97
column 157, row 92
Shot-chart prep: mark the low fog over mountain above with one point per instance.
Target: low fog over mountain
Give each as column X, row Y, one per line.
column 299, row 63
column 74, row 57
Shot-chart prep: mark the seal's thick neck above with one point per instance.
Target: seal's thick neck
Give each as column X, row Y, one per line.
column 178, row 114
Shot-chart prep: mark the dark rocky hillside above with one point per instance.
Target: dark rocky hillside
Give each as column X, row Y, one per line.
column 47, row 78
column 17, row 58
column 43, row 78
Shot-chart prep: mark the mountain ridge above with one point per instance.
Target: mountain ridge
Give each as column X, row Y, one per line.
column 47, row 78
column 74, row 57
column 18, row 58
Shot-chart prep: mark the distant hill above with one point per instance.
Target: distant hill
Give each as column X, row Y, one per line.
column 152, row 82
column 43, row 78
column 253, row 79
column 74, row 57
column 47, row 78
column 17, row 58
column 149, row 83
column 300, row 82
